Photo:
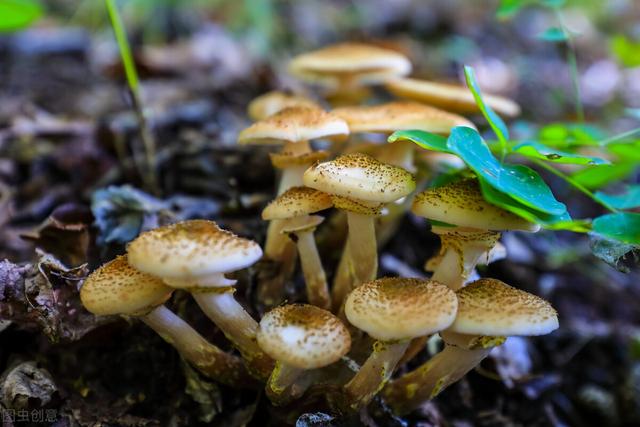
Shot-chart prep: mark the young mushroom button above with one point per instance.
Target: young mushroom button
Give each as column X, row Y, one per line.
column 195, row 255
column 116, row 288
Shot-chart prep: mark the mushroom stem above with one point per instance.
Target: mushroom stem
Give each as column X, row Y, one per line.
column 445, row 368
column 363, row 250
column 208, row 358
column 343, row 281
column 281, row 386
column 314, row 275
column 375, row 373
column 415, row 347
column 237, row 325
column 399, row 153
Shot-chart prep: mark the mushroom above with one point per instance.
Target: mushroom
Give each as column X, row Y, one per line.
column 488, row 311
column 294, row 207
column 496, row 253
column 195, row 255
column 275, row 101
column 345, row 69
column 292, row 127
column 393, row 311
column 467, row 225
column 116, row 288
column 448, row 96
column 360, row 185
column 299, row 337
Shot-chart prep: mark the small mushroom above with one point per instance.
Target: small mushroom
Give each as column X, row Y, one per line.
column 394, row 311
column 299, row 337
column 448, row 96
column 473, row 227
column 275, row 101
column 195, row 255
column 294, row 207
column 488, row 311
column 116, row 288
column 360, row 185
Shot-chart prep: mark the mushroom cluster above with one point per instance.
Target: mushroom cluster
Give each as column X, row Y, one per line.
column 346, row 339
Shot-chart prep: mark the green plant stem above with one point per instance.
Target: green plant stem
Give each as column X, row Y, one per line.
column 572, row 61
column 149, row 175
column 573, row 183
column 620, row 136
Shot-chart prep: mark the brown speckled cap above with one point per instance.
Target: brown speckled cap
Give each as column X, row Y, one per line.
column 365, row 63
column 297, row 201
column 395, row 116
column 294, row 124
column 360, row 176
column 118, row 288
column 303, row 336
column 490, row 307
column 448, row 96
column 399, row 308
column 461, row 203
column 191, row 249
column 275, row 101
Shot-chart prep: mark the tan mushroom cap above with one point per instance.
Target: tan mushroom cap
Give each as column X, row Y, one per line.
column 297, row 201
column 448, row 96
column 302, row 223
column 191, row 249
column 395, row 116
column 461, row 203
column 118, row 288
column 303, row 336
column 275, row 101
column 285, row 160
column 490, row 307
column 398, row 308
column 360, row 176
column 294, row 124
column 365, row 63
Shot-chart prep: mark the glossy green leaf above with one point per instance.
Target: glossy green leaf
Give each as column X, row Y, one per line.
column 599, row 176
column 629, row 199
column 537, row 150
column 426, row 140
column 518, row 181
column 18, row 14
column 554, row 34
column 622, row 226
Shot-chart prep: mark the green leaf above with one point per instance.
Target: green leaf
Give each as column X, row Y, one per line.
column 537, row 150
column 496, row 123
column 518, row 181
column 436, row 223
column 18, row 14
column 599, row 176
column 627, row 52
column 554, row 35
column 629, row 199
column 426, row 140
column 622, row 226
column 508, row 8
column 621, row 256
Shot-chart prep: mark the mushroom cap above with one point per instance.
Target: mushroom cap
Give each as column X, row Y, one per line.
column 395, row 116
column 118, row 288
column 191, row 249
column 367, row 64
column 448, row 96
column 493, row 308
column 398, row 308
column 360, row 176
column 297, row 201
column 461, row 203
column 301, row 223
column 285, row 160
column 275, row 101
column 294, row 124
column 303, row 336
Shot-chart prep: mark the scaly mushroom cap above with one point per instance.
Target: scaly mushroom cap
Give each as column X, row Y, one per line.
column 303, row 336
column 191, row 249
column 461, row 203
column 365, row 63
column 395, row 116
column 448, row 96
column 360, row 176
column 294, row 124
column 302, row 223
column 492, row 308
column 397, row 308
column 118, row 288
column 297, row 201
column 275, row 101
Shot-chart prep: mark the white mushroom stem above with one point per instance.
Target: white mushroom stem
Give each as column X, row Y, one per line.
column 208, row 358
column 314, row 275
column 375, row 373
column 284, row 383
column 343, row 280
column 363, row 250
column 399, row 153
column 461, row 354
